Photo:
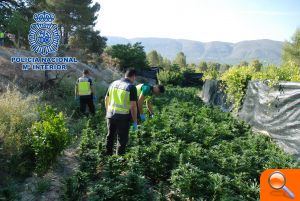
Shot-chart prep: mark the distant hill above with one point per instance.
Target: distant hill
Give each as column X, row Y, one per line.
column 267, row 51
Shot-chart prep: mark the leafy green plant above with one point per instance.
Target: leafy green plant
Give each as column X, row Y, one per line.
column 128, row 186
column 236, row 79
column 49, row 137
column 89, row 150
column 187, row 151
column 170, row 77
column 42, row 186
column 75, row 186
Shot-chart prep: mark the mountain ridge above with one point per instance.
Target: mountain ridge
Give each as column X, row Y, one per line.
column 266, row 50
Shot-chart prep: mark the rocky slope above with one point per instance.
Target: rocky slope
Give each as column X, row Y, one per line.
column 12, row 72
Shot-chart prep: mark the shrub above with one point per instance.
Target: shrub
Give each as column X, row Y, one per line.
column 49, row 137
column 170, row 77
column 88, row 151
column 75, row 187
column 61, row 95
column 17, row 113
column 128, row 186
column 236, row 79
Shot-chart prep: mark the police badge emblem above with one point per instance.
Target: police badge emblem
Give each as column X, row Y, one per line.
column 44, row 35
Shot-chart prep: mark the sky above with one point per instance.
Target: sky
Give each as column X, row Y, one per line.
column 200, row 20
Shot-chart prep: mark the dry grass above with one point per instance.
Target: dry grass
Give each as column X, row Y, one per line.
column 17, row 112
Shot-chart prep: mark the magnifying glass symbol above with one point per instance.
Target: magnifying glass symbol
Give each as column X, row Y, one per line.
column 277, row 181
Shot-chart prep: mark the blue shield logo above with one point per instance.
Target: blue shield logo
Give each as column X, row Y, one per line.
column 44, row 35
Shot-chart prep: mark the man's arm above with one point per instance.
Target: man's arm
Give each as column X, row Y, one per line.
column 141, row 103
column 76, row 89
column 92, row 86
column 133, row 109
column 133, row 104
column 149, row 106
column 106, row 102
column 106, row 99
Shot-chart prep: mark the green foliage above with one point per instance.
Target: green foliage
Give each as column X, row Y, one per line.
column 89, row 40
column 17, row 113
column 166, row 64
column 203, row 66
column 75, row 20
column 188, row 151
column 129, row 186
column 10, row 192
column 155, row 59
column 212, row 72
column 257, row 65
column 236, row 79
column 20, row 31
column 75, row 187
column 42, row 186
column 171, row 77
column 89, row 152
column 180, row 60
column 291, row 50
column 49, row 137
column 129, row 56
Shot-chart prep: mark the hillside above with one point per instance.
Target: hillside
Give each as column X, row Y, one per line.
column 8, row 71
column 268, row 51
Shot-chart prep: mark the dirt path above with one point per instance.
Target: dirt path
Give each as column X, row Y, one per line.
column 49, row 187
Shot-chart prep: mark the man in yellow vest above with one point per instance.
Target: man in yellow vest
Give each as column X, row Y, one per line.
column 144, row 93
column 121, row 107
column 2, row 38
column 85, row 93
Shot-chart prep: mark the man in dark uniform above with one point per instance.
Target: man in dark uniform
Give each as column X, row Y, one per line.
column 121, row 107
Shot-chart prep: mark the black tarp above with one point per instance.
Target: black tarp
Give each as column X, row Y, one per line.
column 193, row 79
column 149, row 73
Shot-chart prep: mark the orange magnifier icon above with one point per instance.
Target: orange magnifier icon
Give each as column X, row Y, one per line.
column 277, row 181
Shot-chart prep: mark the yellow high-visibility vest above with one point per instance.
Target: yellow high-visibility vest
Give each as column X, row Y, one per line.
column 1, row 35
column 84, row 86
column 119, row 97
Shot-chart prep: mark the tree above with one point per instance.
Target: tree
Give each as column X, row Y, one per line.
column 192, row 65
column 15, row 18
column 73, row 15
column 22, row 31
column 243, row 63
column 129, row 55
column 7, row 9
column 291, row 50
column 224, row 67
column 75, row 18
column 153, row 58
column 166, row 64
column 213, row 66
column 180, row 59
column 89, row 40
column 203, row 66
column 256, row 64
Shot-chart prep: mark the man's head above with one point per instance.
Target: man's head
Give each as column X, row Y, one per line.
column 158, row 89
column 86, row 72
column 130, row 74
